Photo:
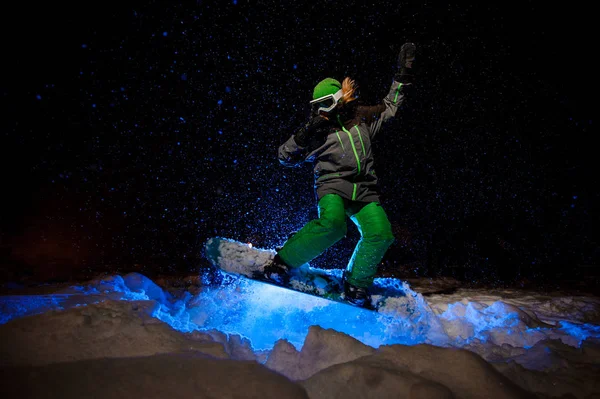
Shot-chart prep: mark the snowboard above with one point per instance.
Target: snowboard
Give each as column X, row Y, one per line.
column 243, row 259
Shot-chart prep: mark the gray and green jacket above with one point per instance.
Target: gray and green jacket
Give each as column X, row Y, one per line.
column 342, row 156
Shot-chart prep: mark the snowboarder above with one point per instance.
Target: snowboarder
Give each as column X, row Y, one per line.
column 337, row 140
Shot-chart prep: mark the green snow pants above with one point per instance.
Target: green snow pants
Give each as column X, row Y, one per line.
column 319, row 234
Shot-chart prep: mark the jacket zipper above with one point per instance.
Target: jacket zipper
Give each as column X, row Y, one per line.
column 355, row 153
column 352, row 143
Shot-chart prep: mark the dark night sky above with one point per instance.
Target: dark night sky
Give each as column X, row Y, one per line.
column 134, row 131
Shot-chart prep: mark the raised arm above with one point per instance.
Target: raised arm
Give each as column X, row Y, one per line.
column 376, row 115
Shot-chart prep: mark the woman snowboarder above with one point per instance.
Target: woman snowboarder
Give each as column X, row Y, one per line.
column 337, row 140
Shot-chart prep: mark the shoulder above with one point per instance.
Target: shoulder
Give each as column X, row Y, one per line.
column 368, row 113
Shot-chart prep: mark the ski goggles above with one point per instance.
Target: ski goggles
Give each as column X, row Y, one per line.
column 326, row 103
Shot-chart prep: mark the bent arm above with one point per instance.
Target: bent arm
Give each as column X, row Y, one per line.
column 291, row 154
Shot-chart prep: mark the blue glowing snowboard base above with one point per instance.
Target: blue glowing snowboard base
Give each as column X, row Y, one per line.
column 243, row 259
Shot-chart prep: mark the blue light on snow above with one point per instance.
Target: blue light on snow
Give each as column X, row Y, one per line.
column 15, row 306
column 264, row 313
column 580, row 331
column 481, row 321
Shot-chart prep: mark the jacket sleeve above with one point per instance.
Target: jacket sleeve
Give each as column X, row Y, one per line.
column 291, row 154
column 386, row 110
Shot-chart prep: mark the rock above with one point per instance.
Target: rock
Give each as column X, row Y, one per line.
column 157, row 376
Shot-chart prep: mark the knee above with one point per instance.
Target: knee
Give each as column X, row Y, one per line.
column 336, row 228
column 382, row 235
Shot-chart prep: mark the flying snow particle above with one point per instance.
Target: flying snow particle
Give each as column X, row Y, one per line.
column 165, row 33
column 220, row 102
column 38, row 97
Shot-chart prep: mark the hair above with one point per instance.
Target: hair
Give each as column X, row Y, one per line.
column 349, row 88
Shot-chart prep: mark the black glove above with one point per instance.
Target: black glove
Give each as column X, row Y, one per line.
column 313, row 127
column 405, row 73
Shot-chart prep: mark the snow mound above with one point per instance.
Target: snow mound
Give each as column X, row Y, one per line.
column 116, row 346
column 422, row 371
column 106, row 329
column 129, row 316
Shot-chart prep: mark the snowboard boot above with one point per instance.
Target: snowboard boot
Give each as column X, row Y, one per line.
column 276, row 272
column 356, row 295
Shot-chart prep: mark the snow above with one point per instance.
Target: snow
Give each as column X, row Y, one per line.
column 507, row 343
column 236, row 257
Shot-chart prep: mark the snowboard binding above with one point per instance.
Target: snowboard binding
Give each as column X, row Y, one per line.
column 275, row 272
column 357, row 296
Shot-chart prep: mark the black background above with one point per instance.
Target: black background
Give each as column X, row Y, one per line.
column 134, row 131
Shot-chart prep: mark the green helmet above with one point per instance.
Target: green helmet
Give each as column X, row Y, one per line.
column 326, row 96
column 325, row 87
